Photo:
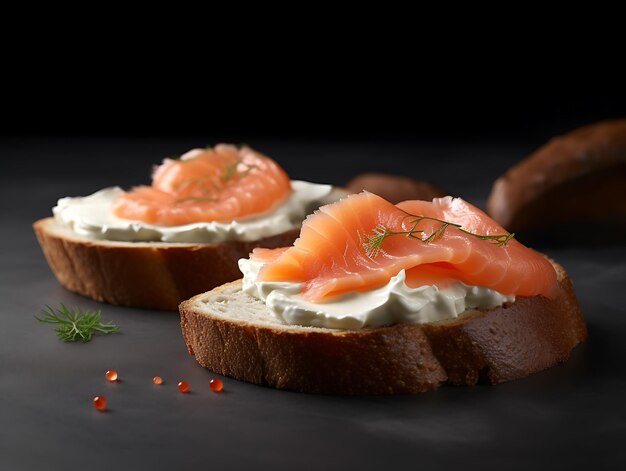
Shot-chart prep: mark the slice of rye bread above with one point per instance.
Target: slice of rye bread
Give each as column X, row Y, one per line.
column 237, row 335
column 151, row 275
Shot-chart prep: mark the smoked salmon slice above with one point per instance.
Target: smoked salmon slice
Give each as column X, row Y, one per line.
column 360, row 242
column 222, row 183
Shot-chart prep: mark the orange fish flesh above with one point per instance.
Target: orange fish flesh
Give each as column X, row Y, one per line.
column 360, row 242
column 223, row 183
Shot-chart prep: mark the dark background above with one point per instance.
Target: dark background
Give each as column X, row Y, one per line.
column 75, row 136
column 349, row 110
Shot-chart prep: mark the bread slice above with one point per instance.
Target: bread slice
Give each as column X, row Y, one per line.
column 395, row 188
column 153, row 275
column 236, row 335
column 575, row 178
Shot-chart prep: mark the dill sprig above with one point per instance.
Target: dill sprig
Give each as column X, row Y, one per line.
column 374, row 241
column 75, row 325
column 233, row 171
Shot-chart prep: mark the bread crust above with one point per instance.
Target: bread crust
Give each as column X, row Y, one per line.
column 394, row 188
column 579, row 176
column 502, row 344
column 152, row 275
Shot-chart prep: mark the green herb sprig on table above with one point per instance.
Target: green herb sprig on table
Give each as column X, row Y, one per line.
column 75, row 325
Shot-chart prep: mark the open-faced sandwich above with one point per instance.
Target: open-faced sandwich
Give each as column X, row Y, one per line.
column 157, row 245
column 376, row 298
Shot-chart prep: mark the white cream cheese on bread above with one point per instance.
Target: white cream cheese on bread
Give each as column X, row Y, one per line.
column 394, row 303
column 91, row 216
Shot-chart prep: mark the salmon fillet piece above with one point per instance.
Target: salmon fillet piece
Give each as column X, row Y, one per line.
column 360, row 242
column 223, row 183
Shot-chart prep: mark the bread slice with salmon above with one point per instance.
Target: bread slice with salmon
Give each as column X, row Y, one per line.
column 154, row 246
column 296, row 322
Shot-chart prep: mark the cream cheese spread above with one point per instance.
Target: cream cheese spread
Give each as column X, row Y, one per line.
column 92, row 216
column 394, row 303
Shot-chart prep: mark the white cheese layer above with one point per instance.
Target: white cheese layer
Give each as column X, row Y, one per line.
column 394, row 303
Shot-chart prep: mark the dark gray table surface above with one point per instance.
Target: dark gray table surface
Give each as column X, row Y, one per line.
column 568, row 416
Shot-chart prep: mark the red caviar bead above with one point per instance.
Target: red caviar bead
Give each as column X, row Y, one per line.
column 216, row 385
column 111, row 375
column 183, row 387
column 157, row 380
column 100, row 403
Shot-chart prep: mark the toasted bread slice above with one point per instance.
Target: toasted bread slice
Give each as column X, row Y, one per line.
column 153, row 275
column 574, row 178
column 236, row 335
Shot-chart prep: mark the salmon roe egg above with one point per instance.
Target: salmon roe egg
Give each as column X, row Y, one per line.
column 157, row 380
column 111, row 375
column 100, row 403
column 183, row 387
column 216, row 385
